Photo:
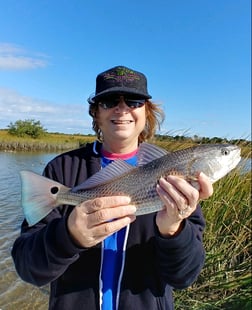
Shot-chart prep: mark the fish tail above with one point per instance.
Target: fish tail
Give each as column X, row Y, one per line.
column 38, row 196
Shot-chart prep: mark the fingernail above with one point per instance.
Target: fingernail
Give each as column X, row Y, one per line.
column 132, row 209
column 127, row 200
column 202, row 174
column 162, row 179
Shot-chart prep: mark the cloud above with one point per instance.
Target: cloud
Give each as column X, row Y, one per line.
column 55, row 117
column 14, row 57
column 12, row 103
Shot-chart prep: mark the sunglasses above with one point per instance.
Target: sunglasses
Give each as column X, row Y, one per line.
column 109, row 103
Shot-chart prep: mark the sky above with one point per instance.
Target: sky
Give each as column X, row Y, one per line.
column 196, row 55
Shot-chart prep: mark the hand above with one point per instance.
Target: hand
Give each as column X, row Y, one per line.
column 94, row 220
column 180, row 199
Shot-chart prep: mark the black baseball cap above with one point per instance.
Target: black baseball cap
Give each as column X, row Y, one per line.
column 120, row 80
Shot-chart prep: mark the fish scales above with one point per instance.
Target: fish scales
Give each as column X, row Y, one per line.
column 139, row 183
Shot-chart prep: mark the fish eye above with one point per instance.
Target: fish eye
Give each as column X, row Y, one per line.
column 54, row 190
column 225, row 151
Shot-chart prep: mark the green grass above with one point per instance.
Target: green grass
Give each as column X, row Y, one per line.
column 61, row 142
column 49, row 142
column 225, row 282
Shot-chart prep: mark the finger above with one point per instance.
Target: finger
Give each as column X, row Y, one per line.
column 166, row 199
column 87, row 232
column 96, row 204
column 181, row 192
column 185, row 212
column 172, row 207
column 109, row 214
column 206, row 187
column 184, row 187
column 108, row 228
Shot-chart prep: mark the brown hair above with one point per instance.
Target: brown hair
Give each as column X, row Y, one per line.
column 154, row 118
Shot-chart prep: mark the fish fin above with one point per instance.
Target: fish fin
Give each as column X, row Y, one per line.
column 38, row 195
column 115, row 169
column 176, row 173
column 148, row 152
column 193, row 180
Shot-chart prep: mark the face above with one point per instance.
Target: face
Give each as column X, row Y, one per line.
column 121, row 123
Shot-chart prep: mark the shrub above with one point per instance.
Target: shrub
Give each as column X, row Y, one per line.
column 28, row 127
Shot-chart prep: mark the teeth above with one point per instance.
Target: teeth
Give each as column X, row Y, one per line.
column 121, row 122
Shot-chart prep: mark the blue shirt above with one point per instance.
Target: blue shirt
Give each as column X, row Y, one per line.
column 112, row 258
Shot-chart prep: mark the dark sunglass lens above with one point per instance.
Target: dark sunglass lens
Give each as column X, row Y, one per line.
column 134, row 103
column 108, row 103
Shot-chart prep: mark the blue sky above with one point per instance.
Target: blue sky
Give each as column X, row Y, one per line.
column 196, row 55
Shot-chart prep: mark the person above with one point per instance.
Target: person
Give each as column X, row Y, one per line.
column 99, row 255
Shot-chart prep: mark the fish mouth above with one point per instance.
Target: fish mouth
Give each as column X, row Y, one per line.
column 121, row 122
column 236, row 160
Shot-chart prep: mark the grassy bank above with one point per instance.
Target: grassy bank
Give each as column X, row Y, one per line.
column 50, row 142
column 225, row 282
column 173, row 145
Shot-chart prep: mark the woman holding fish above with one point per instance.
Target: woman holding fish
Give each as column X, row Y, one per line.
column 99, row 254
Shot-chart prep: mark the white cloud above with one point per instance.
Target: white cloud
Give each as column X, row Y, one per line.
column 66, row 118
column 14, row 103
column 20, row 63
column 14, row 57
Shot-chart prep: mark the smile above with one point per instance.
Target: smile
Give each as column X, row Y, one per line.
column 121, row 122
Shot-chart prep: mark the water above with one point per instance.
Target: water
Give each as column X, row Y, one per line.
column 14, row 293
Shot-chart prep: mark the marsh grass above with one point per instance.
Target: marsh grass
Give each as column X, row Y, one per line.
column 225, row 281
column 50, row 142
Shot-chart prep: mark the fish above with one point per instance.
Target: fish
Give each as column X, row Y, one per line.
column 40, row 195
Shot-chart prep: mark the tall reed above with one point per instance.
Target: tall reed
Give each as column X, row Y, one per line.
column 50, row 142
column 225, row 282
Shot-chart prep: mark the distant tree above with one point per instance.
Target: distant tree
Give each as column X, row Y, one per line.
column 28, row 127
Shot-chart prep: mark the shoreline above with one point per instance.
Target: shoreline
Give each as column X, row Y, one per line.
column 56, row 142
column 50, row 142
column 38, row 147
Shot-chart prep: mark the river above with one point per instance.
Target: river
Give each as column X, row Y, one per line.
column 14, row 293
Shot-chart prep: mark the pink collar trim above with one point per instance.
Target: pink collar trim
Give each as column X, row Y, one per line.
column 114, row 156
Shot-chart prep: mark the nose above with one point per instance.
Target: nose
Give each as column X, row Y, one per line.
column 122, row 106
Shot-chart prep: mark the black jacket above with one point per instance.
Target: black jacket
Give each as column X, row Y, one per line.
column 45, row 253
